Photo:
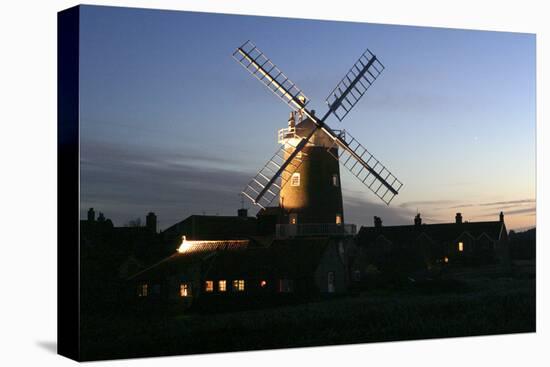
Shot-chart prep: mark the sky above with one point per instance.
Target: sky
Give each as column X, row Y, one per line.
column 171, row 123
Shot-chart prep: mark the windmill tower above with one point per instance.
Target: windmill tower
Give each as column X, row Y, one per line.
column 304, row 173
column 312, row 193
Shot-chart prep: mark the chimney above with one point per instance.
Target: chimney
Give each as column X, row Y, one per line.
column 242, row 213
column 151, row 222
column 417, row 220
column 91, row 215
column 458, row 218
column 377, row 222
column 291, row 120
column 501, row 217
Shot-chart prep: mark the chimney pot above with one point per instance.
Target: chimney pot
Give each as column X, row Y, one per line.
column 458, row 218
column 417, row 220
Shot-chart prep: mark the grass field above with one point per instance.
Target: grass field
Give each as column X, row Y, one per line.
column 479, row 306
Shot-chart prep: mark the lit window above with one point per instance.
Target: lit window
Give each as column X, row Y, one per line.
column 209, row 286
column 446, row 259
column 293, row 218
column 263, row 283
column 460, row 246
column 285, row 285
column 335, row 180
column 222, row 285
column 238, row 285
column 185, row 290
column 338, row 219
column 142, row 290
column 295, row 179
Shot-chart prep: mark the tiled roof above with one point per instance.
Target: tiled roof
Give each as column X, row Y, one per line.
column 293, row 258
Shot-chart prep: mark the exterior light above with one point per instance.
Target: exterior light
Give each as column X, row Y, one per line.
column 184, row 245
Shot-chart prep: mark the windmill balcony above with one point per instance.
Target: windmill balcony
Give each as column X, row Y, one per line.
column 314, row 229
column 285, row 134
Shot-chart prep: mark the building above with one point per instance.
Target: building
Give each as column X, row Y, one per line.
column 431, row 246
column 227, row 273
column 212, row 227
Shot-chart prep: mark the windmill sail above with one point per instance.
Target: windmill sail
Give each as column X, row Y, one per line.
column 253, row 60
column 268, row 182
column 363, row 165
column 354, row 85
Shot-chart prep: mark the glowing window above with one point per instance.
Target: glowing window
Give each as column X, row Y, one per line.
column 185, row 290
column 222, row 285
column 209, row 286
column 446, row 259
column 263, row 283
column 293, row 218
column 295, row 179
column 338, row 219
column 335, row 180
column 238, row 285
column 143, row 290
column 460, row 246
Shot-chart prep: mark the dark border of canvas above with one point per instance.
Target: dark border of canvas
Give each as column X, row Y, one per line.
column 68, row 24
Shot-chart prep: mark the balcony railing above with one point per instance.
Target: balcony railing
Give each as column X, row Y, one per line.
column 285, row 134
column 314, row 229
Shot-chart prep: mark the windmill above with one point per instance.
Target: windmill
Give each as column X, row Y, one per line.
column 305, row 172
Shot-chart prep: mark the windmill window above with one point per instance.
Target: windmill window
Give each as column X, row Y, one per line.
column 295, row 179
column 335, row 181
column 238, row 285
column 209, row 286
column 143, row 290
column 185, row 290
column 461, row 246
column 222, row 285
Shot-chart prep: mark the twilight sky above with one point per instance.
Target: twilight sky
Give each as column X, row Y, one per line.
column 170, row 123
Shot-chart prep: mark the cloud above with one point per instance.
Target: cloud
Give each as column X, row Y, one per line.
column 500, row 204
column 415, row 204
column 125, row 182
column 528, row 211
column 497, row 203
column 361, row 211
